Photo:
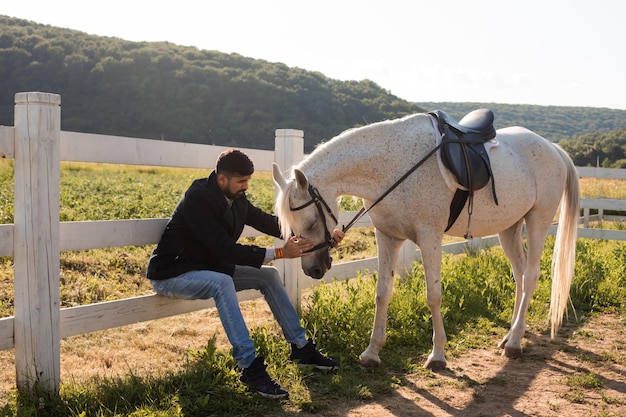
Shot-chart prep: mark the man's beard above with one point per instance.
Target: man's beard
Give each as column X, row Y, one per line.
column 235, row 196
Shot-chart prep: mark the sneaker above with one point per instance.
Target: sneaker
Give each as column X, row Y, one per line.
column 310, row 356
column 256, row 377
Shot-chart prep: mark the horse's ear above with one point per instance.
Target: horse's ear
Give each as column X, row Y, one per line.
column 301, row 180
column 279, row 179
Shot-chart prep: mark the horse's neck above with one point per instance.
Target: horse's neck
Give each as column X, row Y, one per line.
column 339, row 168
column 363, row 161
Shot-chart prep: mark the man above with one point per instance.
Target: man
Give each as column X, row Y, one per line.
column 198, row 257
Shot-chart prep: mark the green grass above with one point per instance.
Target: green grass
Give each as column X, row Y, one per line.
column 478, row 299
column 602, row 188
column 585, row 380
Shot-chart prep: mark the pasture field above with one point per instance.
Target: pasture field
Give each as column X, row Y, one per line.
column 181, row 366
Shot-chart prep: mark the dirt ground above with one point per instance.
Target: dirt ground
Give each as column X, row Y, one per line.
column 582, row 373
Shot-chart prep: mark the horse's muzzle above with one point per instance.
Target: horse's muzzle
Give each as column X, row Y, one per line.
column 318, row 269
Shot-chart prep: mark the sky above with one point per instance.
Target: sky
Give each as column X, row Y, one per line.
column 543, row 52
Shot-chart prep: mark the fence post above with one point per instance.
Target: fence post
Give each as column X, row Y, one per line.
column 289, row 150
column 36, row 241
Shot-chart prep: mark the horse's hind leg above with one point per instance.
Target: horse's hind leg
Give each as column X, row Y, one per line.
column 513, row 246
column 537, row 224
column 388, row 250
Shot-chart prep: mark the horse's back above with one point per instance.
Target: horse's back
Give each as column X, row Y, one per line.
column 521, row 138
column 522, row 152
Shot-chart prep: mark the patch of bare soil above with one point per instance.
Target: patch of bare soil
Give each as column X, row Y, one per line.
column 582, row 373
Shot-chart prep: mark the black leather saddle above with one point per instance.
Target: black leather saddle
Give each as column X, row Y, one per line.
column 463, row 153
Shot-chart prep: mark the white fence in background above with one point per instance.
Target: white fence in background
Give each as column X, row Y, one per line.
column 36, row 238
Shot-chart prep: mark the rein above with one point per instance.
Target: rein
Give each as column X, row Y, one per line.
column 319, row 202
column 363, row 211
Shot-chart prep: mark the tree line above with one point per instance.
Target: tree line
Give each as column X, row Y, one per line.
column 607, row 150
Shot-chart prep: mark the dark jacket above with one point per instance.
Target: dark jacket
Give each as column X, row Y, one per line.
column 203, row 232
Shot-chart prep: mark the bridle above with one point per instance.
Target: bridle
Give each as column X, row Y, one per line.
column 321, row 204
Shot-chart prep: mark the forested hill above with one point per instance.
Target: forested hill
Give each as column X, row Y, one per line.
column 555, row 123
column 164, row 91
column 160, row 90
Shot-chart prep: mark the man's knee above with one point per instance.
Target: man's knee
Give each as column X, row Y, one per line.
column 270, row 277
column 270, row 273
column 205, row 284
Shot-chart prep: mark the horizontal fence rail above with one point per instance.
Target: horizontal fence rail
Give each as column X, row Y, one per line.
column 83, row 235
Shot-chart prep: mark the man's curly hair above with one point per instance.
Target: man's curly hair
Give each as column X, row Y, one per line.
column 234, row 162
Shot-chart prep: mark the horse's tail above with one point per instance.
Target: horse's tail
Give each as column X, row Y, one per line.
column 564, row 255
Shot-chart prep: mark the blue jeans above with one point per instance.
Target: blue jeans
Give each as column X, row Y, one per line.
column 222, row 288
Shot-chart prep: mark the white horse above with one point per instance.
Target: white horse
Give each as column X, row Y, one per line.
column 533, row 177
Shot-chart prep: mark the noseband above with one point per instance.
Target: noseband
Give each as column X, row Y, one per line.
column 321, row 204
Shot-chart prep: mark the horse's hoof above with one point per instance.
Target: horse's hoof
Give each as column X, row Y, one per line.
column 368, row 362
column 435, row 365
column 512, row 353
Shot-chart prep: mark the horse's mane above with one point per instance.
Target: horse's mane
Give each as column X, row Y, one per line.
column 283, row 211
column 324, row 147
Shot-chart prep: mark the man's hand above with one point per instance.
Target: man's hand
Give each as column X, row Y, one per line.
column 338, row 236
column 297, row 247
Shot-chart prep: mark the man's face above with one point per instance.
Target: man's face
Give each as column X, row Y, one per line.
column 234, row 186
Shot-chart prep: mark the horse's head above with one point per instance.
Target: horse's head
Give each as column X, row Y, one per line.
column 301, row 210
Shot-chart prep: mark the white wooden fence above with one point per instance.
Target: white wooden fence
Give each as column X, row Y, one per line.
column 36, row 238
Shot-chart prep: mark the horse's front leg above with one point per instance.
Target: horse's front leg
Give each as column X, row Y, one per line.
column 431, row 259
column 388, row 249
